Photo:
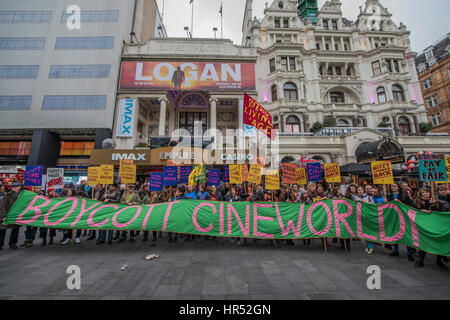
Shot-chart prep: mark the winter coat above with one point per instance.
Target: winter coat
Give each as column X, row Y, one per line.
column 5, row 205
column 135, row 200
column 113, row 196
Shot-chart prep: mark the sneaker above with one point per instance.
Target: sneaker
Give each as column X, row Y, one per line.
column 77, row 241
column 394, row 254
column 419, row 263
column 67, row 241
column 14, row 247
column 29, row 244
column 24, row 244
column 369, row 251
column 232, row 240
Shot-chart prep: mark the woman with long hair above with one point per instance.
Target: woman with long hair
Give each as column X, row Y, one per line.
column 351, row 191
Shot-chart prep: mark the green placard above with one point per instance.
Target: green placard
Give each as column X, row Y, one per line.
column 432, row 170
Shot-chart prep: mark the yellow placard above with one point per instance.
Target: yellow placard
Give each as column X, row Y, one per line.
column 244, row 172
column 123, row 162
column 128, row 173
column 332, row 172
column 273, row 180
column 254, row 176
column 301, row 176
column 235, row 173
column 93, row 176
column 447, row 165
column 382, row 172
column 106, row 174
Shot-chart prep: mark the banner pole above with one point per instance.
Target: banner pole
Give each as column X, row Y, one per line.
column 433, row 190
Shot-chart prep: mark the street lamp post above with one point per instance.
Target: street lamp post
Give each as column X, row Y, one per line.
column 215, row 32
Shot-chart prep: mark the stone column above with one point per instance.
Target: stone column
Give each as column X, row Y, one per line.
column 162, row 118
column 332, row 44
column 241, row 114
column 213, row 110
column 416, row 125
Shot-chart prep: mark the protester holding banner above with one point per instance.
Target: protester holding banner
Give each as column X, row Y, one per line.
column 131, row 198
column 51, row 194
column 149, row 197
column 6, row 204
column 30, row 232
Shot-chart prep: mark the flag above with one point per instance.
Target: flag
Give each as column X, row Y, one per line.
column 196, row 172
column 191, row 1
column 255, row 115
column 221, row 9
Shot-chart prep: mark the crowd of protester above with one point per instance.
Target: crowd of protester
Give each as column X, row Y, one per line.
column 134, row 194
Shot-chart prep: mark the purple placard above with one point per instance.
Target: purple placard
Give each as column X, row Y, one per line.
column 314, row 172
column 33, row 176
column 156, row 181
column 226, row 173
column 170, row 176
column 213, row 177
column 185, row 171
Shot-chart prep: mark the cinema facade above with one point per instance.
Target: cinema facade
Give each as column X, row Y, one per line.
column 169, row 84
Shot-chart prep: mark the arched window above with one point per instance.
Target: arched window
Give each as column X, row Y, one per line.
column 292, row 125
column 404, row 124
column 381, row 94
column 290, row 91
column 274, row 93
column 342, row 123
column 337, row 97
column 287, row 159
column 398, row 93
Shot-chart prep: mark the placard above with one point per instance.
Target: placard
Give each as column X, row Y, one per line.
column 255, row 173
column 300, row 174
column 289, row 175
column 272, row 179
column 185, row 171
column 382, row 172
column 332, row 173
column 106, row 174
column 170, row 176
column 213, row 177
column 432, row 170
column 55, row 178
column 156, row 181
column 33, row 176
column 447, row 165
column 235, row 173
column 128, row 173
column 93, row 176
column 314, row 172
column 226, row 174
column 244, row 172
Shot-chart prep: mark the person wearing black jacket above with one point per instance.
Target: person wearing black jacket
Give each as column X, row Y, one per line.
column 30, row 232
column 258, row 196
column 111, row 196
column 5, row 205
column 214, row 195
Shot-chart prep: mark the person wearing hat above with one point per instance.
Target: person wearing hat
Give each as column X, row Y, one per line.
column 5, row 205
column 129, row 197
column 111, row 196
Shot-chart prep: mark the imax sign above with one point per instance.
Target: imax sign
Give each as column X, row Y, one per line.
column 126, row 118
column 128, row 156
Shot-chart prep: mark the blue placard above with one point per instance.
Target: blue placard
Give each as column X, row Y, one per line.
column 213, row 177
column 170, row 176
column 185, row 171
column 33, row 176
column 314, row 172
column 156, row 181
column 226, row 174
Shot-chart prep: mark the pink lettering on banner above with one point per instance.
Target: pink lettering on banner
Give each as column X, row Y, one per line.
column 401, row 230
column 93, row 224
column 290, row 224
column 166, row 217
column 126, row 224
column 83, row 210
column 72, row 208
column 194, row 217
column 256, row 218
column 32, row 207
column 147, row 215
column 221, row 218
column 340, row 217
column 329, row 218
column 245, row 230
column 414, row 231
column 359, row 225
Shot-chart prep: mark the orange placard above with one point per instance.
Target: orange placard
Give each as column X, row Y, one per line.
column 289, row 174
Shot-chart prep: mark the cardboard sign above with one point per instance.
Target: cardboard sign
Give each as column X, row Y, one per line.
column 382, row 172
column 20, row 175
column 156, row 181
column 235, row 173
column 272, row 180
column 244, row 172
column 33, row 176
column 289, row 175
column 314, row 172
column 447, row 165
column 93, row 176
column 128, row 173
column 226, row 174
column 300, row 174
column 255, row 174
column 55, row 178
column 106, row 174
column 185, row 171
column 213, row 177
column 122, row 163
column 170, row 176
column 332, row 172
column 432, row 170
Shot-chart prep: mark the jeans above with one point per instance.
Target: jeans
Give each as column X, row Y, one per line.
column 43, row 233
column 102, row 235
column 30, row 233
column 411, row 251
column 12, row 238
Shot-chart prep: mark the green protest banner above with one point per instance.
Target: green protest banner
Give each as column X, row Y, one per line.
column 393, row 223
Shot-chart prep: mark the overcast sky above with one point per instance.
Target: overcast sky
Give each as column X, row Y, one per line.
column 427, row 20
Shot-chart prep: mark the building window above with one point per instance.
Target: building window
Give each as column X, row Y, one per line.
column 432, row 101
column 274, row 93
column 330, row 71
column 429, row 54
column 25, row 16
column 336, row 47
column 21, row 43
column 404, row 124
column 398, row 93
column 79, row 71
column 392, row 63
column 15, row 148
column 327, row 46
column 84, row 43
column 381, row 94
column 288, row 63
column 376, row 68
column 325, row 25
column 338, row 71
column 334, row 24
column 277, row 23
column 74, row 103
column 92, row 16
column 290, row 91
column 436, row 119
column 19, row 72
column 342, row 123
column 428, row 83
column 421, row 67
column 337, row 97
column 292, row 125
column 15, row 103
column 286, row 23
column 318, row 46
column 272, row 65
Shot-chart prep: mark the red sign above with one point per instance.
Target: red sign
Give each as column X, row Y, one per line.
column 255, row 115
column 220, row 76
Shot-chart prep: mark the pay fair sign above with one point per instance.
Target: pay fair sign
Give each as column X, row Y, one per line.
column 432, row 170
